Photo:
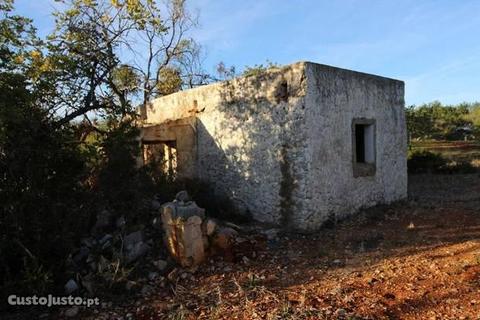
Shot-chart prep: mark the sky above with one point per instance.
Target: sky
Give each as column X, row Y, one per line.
column 432, row 45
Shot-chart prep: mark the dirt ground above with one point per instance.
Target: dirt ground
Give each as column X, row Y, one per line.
column 419, row 259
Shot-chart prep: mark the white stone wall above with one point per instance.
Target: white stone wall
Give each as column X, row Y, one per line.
column 280, row 144
column 334, row 98
column 250, row 138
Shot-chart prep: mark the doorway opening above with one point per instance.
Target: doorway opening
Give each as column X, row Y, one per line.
column 162, row 156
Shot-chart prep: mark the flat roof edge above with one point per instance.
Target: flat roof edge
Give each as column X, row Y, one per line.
column 326, row 66
column 280, row 69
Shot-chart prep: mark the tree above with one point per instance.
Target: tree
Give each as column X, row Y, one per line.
column 40, row 166
column 101, row 48
column 437, row 121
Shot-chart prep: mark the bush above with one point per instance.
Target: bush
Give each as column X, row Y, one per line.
column 121, row 185
column 425, row 162
column 457, row 167
column 44, row 204
column 428, row 162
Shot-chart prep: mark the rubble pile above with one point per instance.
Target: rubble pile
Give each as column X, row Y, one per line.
column 136, row 257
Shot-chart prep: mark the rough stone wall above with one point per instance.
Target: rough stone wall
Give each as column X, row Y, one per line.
column 280, row 144
column 334, row 98
column 251, row 138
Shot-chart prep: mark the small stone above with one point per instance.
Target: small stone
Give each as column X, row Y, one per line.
column 88, row 242
column 338, row 263
column 121, row 222
column 152, row 275
column 81, row 255
column 157, row 222
column 72, row 312
column 341, row 313
column 182, row 196
column 71, row 286
column 240, row 240
column 210, row 227
column 105, row 239
column 160, row 264
column 103, row 219
column 133, row 238
column 233, row 225
column 139, row 250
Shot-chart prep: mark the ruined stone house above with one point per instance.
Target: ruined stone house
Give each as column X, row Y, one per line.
column 293, row 146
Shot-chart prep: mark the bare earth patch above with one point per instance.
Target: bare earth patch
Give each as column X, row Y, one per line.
column 419, row 259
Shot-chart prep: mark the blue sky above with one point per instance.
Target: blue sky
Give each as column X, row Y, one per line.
column 434, row 46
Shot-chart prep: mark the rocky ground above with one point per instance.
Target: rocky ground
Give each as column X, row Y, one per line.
column 419, row 259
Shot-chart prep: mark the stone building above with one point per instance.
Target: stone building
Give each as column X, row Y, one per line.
column 293, row 146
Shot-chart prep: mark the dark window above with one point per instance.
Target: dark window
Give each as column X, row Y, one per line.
column 363, row 147
column 360, row 142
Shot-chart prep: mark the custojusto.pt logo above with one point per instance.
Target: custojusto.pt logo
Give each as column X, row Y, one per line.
column 50, row 300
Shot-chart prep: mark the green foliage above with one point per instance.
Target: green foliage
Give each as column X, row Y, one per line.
column 425, row 161
column 473, row 115
column 121, row 185
column 36, row 278
column 56, row 174
column 87, row 56
column 17, row 38
column 126, row 79
column 441, row 122
column 170, row 81
column 259, row 69
column 41, row 168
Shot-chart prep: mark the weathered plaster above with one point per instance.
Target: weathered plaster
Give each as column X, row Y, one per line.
column 280, row 144
column 335, row 97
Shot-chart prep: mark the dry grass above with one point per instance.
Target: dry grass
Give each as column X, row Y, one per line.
column 415, row 260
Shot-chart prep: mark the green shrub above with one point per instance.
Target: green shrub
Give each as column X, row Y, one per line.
column 121, row 186
column 44, row 205
column 425, row 162
column 428, row 162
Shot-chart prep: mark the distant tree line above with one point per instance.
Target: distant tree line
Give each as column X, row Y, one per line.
column 443, row 122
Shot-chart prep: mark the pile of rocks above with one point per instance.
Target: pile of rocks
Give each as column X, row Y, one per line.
column 114, row 244
column 189, row 237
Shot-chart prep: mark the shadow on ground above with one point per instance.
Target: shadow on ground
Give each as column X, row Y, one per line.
column 418, row 259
